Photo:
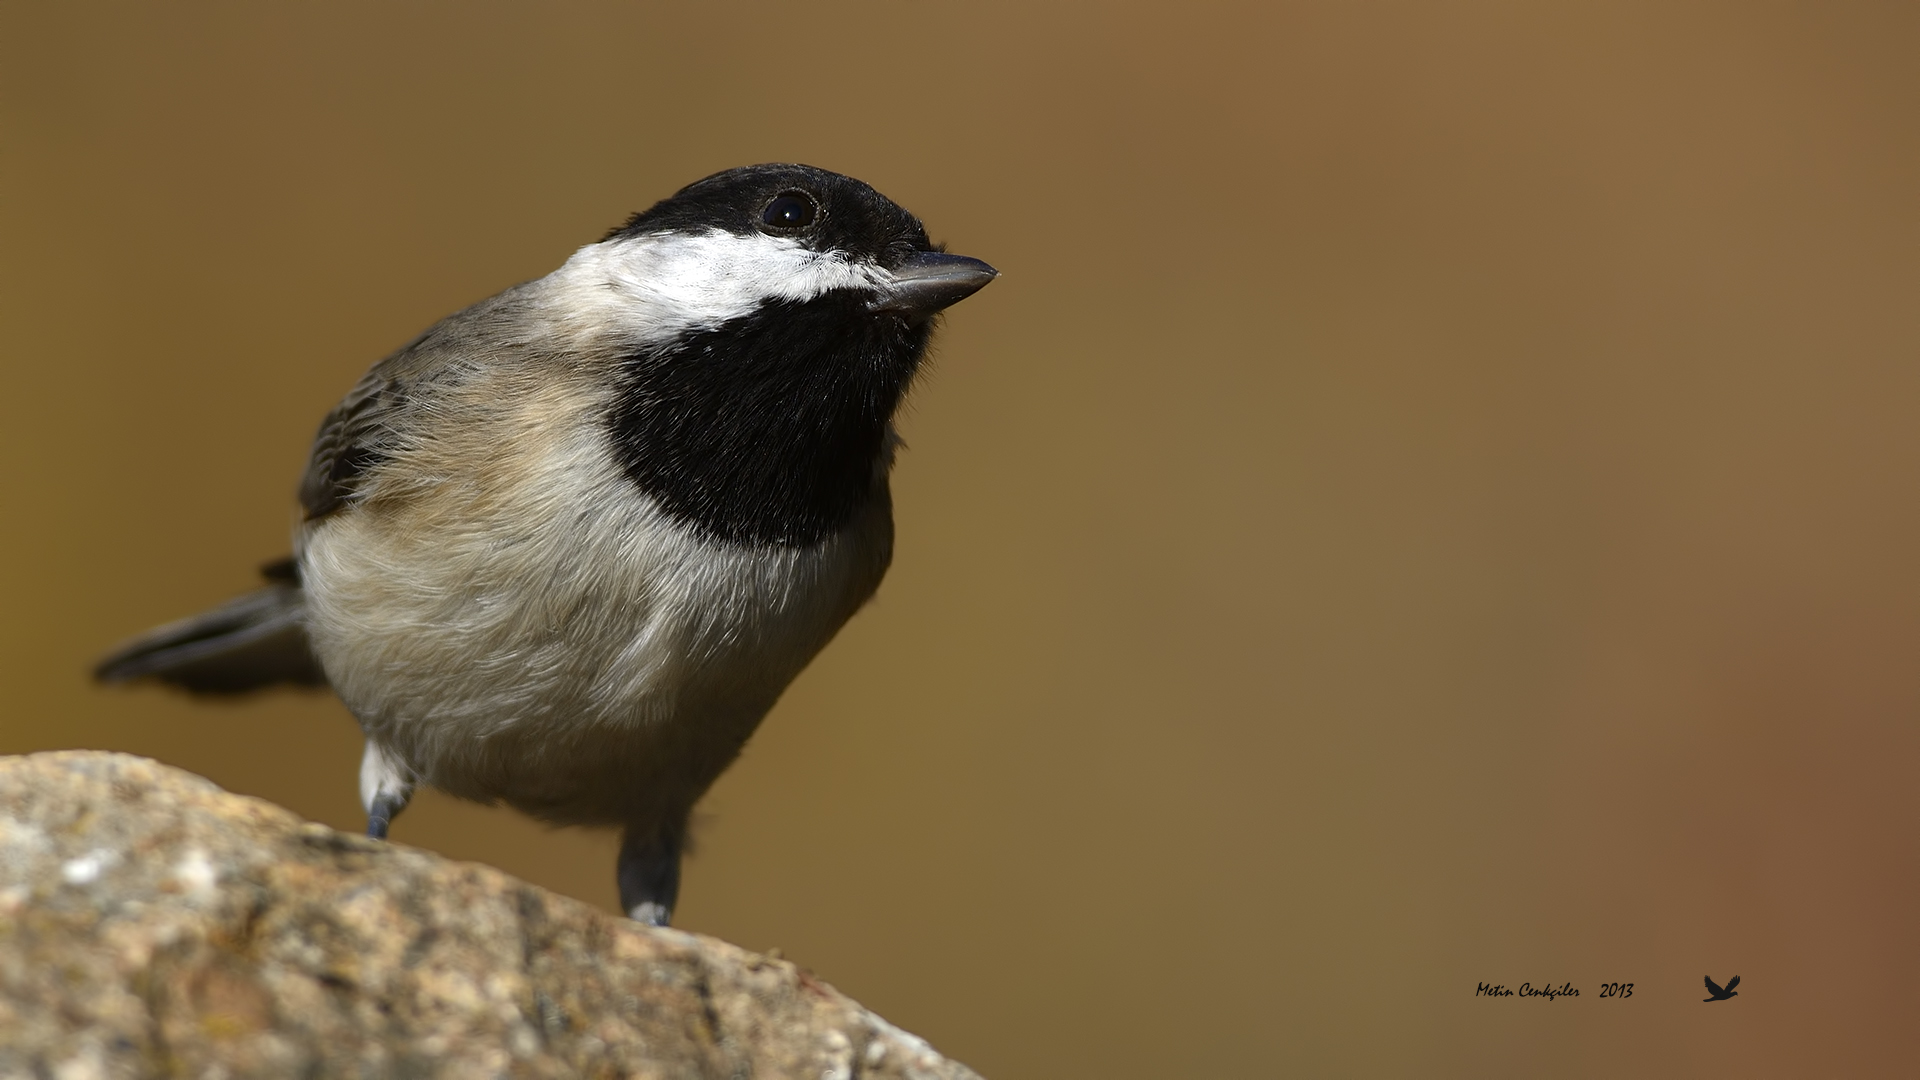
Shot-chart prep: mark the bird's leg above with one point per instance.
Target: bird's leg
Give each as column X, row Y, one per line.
column 649, row 871
column 385, row 787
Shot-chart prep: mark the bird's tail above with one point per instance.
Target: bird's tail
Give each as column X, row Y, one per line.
column 249, row 643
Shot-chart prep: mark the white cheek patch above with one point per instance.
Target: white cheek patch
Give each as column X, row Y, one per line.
column 665, row 283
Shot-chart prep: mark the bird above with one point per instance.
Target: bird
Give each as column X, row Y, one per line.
column 566, row 548
column 1719, row 994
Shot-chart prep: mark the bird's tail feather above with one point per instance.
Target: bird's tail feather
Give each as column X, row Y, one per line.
column 249, row 643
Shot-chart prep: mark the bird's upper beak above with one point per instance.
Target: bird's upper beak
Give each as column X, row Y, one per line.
column 932, row 281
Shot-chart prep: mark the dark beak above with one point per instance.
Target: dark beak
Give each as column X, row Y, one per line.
column 932, row 281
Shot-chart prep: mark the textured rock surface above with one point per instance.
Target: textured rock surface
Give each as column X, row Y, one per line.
column 154, row 925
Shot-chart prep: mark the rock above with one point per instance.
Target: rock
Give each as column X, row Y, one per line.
column 152, row 924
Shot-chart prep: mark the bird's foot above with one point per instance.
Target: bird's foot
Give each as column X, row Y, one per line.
column 651, row 913
column 385, row 788
column 649, row 873
column 380, row 815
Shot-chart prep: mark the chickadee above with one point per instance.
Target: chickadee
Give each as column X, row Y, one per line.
column 566, row 548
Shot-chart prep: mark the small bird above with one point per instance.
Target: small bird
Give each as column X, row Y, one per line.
column 566, row 548
column 1717, row 993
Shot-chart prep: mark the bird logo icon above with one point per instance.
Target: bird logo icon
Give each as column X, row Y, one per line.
column 1720, row 994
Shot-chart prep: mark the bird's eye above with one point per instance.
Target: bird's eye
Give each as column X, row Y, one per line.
column 790, row 210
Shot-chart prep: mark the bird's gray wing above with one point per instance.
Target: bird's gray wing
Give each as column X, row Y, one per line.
column 1733, row 982
column 379, row 414
column 350, row 441
column 1713, row 987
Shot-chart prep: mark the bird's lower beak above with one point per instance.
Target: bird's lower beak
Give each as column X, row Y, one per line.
column 932, row 281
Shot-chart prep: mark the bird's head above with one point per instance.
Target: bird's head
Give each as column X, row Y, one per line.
column 767, row 321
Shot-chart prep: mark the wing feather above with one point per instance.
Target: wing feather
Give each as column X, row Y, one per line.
column 351, row 441
column 382, row 412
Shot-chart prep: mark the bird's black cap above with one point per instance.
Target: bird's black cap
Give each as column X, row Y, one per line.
column 829, row 212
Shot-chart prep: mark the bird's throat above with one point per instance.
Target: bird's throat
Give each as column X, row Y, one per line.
column 768, row 429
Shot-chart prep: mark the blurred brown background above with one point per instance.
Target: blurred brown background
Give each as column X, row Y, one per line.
column 1432, row 499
